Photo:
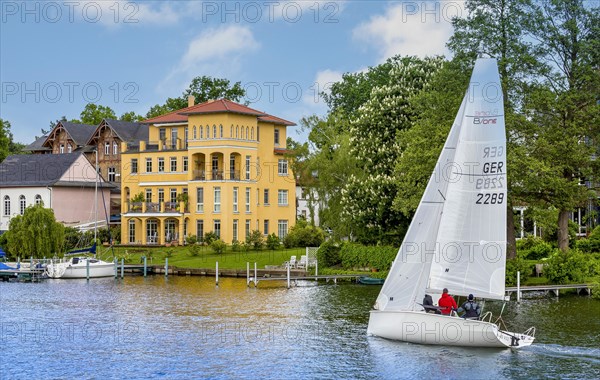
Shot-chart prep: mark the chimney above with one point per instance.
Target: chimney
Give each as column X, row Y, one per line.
column 191, row 100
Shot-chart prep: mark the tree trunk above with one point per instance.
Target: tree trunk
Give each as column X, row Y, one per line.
column 511, row 239
column 563, row 230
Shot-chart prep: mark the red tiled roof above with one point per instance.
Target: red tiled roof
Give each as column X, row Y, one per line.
column 221, row 105
column 275, row 120
column 215, row 106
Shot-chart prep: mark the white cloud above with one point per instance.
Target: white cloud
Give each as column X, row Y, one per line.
column 410, row 28
column 217, row 52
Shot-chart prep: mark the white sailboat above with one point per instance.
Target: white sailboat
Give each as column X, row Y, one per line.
column 457, row 238
column 83, row 266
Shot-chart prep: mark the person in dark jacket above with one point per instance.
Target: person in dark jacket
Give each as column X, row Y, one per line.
column 471, row 308
column 447, row 303
column 428, row 304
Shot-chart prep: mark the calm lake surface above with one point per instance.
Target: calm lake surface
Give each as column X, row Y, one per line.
column 186, row 327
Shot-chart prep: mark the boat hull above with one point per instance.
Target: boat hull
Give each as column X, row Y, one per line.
column 80, row 270
column 426, row 328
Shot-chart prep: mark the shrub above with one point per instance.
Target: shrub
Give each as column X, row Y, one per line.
column 591, row 244
column 354, row 255
column 517, row 264
column 194, row 249
column 218, row 246
column 191, row 239
column 304, row 235
column 273, row 242
column 236, row 246
column 328, row 254
column 567, row 267
column 534, row 248
column 255, row 240
column 209, row 237
column 595, row 288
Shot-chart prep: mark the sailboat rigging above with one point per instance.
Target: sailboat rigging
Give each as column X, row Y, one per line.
column 457, row 238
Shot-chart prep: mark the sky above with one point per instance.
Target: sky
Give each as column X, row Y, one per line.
column 57, row 56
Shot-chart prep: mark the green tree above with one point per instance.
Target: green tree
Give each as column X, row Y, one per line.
column 93, row 114
column 562, row 109
column 203, row 88
column 131, row 116
column 35, row 233
column 7, row 145
column 368, row 195
column 255, row 239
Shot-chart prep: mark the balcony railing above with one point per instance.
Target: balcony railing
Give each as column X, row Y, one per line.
column 157, row 207
column 216, row 175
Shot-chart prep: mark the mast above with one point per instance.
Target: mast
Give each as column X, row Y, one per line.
column 96, row 200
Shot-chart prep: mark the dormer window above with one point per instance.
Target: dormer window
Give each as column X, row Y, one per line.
column 62, row 148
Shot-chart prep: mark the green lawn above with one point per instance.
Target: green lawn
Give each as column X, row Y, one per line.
column 181, row 257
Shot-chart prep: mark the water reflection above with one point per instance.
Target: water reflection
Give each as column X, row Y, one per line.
column 186, row 327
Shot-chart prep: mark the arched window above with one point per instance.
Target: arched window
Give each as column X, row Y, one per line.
column 6, row 205
column 214, row 131
column 38, row 199
column 195, row 132
column 22, row 204
column 237, row 132
column 207, row 132
column 252, row 133
column 246, row 133
column 221, row 130
column 201, row 129
column 231, row 131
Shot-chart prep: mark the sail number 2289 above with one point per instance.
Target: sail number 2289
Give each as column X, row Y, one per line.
column 489, row 198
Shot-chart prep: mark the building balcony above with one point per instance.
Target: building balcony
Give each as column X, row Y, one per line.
column 157, row 208
column 216, row 175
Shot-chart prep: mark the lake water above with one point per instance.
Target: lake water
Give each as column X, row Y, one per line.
column 186, row 327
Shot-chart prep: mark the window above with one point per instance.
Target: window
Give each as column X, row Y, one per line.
column 276, row 136
column 247, row 167
column 217, row 228
column 38, row 199
column 217, row 196
column 22, row 204
column 200, row 199
column 134, row 165
column 173, row 195
column 235, row 199
column 62, row 148
column 6, row 205
column 115, row 148
column 221, row 130
column 252, row 134
column 152, row 231
column 247, row 228
column 282, row 167
column 247, row 199
column 201, row 130
column 170, row 234
column 132, row 231
column 173, row 138
column 235, row 230
column 247, row 134
column 232, row 175
column 266, row 197
column 107, row 148
column 162, row 134
column 195, row 135
column 231, row 131
column 200, row 229
column 111, row 174
column 257, row 133
column 185, row 134
column 282, row 197
column 161, row 196
column 282, row 228
column 214, row 131
column 173, row 164
column 207, row 132
column 148, row 195
column 266, row 227
column 237, row 132
column 69, row 148
column 148, row 165
column 161, row 164
column 185, row 164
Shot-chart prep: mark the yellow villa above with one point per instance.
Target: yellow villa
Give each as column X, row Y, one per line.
column 215, row 167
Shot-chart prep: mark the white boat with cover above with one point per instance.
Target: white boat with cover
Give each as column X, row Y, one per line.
column 81, row 267
column 457, row 238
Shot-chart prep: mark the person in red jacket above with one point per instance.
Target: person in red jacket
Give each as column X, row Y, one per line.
column 447, row 303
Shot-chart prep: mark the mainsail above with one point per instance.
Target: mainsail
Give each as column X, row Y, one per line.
column 457, row 238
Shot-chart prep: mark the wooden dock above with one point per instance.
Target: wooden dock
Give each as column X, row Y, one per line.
column 26, row 275
column 294, row 279
column 547, row 289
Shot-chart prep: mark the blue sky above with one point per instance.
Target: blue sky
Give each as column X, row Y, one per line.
column 55, row 57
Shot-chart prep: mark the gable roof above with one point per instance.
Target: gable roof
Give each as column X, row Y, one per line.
column 171, row 117
column 80, row 133
column 126, row 130
column 37, row 145
column 23, row 170
column 35, row 170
